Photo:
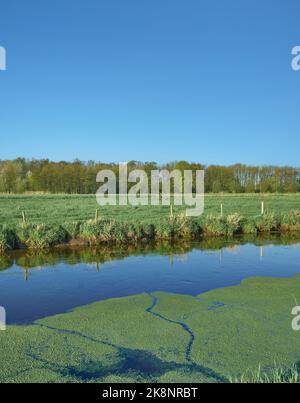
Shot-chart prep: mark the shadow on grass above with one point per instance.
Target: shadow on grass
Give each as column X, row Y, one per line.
column 140, row 364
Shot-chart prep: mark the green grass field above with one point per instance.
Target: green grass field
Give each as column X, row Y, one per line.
column 216, row 337
column 61, row 208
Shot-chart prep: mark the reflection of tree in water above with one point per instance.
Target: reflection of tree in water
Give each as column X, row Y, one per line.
column 5, row 262
column 30, row 259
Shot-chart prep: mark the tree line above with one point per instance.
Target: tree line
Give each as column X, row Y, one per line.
column 78, row 177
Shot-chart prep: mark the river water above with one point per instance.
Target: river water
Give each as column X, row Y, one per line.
column 35, row 285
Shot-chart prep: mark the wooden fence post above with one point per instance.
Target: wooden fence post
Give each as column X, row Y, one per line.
column 24, row 217
column 171, row 210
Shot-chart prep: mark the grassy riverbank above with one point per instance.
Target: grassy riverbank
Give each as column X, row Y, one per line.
column 109, row 231
column 216, row 337
column 45, row 221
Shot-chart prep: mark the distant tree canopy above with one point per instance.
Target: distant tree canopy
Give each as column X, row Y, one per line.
column 77, row 177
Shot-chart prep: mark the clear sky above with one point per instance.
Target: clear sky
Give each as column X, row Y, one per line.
column 115, row 80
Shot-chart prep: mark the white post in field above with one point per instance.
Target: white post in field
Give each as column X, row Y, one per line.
column 262, row 208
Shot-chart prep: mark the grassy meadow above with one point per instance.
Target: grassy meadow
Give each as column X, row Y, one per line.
column 234, row 334
column 55, row 209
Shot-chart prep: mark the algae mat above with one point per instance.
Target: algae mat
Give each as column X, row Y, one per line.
column 160, row 337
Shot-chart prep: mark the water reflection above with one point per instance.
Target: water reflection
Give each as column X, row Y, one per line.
column 37, row 284
column 32, row 259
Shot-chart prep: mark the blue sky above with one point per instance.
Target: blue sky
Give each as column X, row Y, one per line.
column 114, row 80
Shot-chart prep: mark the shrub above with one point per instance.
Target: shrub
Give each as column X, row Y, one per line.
column 290, row 221
column 190, row 228
column 134, row 232
column 119, row 232
column 164, row 230
column 179, row 226
column 149, row 231
column 214, row 225
column 95, row 230
column 248, row 226
column 41, row 236
column 103, row 231
column 23, row 232
column 234, row 224
column 72, row 229
column 138, row 232
column 268, row 222
column 8, row 239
